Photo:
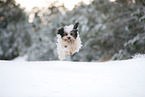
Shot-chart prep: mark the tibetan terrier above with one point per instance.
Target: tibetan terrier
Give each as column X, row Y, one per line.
column 68, row 41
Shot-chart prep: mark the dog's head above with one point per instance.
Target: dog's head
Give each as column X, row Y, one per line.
column 69, row 33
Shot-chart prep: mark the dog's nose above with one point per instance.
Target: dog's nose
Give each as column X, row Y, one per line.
column 68, row 37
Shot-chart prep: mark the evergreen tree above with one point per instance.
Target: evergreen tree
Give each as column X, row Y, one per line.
column 12, row 29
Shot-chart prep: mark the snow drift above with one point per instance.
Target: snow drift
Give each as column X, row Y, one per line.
column 73, row 79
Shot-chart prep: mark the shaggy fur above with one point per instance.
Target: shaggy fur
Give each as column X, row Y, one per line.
column 68, row 41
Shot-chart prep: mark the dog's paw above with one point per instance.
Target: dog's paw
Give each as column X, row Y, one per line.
column 71, row 53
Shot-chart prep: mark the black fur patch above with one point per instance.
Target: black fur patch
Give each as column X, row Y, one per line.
column 61, row 32
column 76, row 25
column 75, row 34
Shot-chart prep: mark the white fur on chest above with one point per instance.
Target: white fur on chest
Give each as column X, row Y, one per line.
column 67, row 48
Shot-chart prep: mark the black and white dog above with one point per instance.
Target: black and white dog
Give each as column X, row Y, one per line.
column 68, row 41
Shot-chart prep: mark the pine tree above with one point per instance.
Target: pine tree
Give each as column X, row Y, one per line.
column 12, row 23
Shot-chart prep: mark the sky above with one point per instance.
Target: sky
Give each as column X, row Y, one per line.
column 29, row 4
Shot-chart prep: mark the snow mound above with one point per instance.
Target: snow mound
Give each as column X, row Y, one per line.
column 138, row 56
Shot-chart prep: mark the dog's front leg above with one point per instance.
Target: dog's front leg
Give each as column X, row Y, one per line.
column 72, row 49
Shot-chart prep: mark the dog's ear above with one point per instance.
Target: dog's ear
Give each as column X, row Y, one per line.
column 76, row 25
column 60, row 31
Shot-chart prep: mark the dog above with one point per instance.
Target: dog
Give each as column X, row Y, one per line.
column 68, row 40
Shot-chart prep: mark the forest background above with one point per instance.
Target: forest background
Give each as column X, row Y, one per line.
column 108, row 30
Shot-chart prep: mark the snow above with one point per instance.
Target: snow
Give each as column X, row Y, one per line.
column 21, row 58
column 73, row 79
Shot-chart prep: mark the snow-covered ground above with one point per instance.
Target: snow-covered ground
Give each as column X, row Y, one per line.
column 73, row 79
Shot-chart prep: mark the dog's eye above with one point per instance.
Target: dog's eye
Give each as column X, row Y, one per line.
column 71, row 34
